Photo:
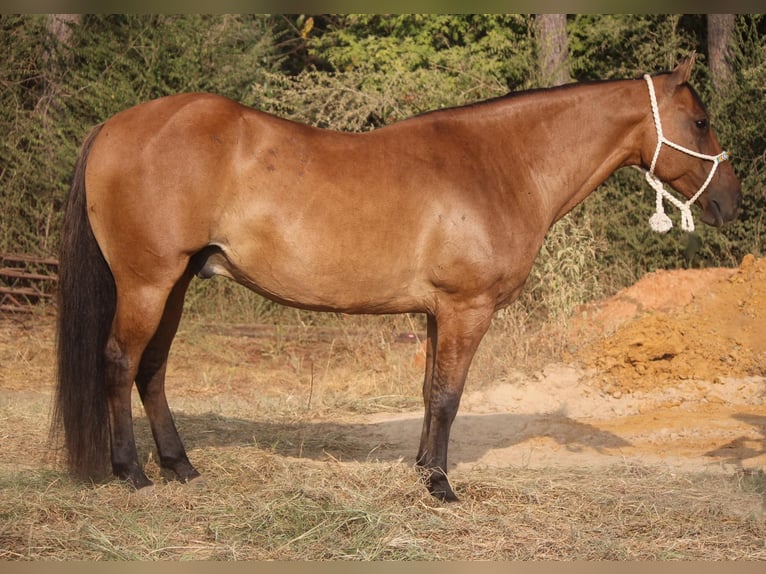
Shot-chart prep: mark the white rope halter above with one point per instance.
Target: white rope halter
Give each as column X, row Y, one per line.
column 660, row 222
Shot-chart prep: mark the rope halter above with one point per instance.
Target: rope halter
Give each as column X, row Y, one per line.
column 660, row 222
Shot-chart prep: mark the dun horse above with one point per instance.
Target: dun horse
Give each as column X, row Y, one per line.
column 441, row 214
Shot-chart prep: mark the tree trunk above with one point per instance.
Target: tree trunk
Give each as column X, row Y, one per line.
column 553, row 53
column 60, row 31
column 720, row 28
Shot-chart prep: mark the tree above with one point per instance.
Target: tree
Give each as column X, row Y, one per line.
column 60, row 26
column 553, row 52
column 720, row 29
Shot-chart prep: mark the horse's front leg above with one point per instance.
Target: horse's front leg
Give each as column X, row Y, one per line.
column 453, row 339
column 430, row 359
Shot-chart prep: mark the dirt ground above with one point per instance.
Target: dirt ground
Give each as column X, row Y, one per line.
column 670, row 371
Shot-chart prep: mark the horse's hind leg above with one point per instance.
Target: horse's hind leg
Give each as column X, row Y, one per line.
column 150, row 381
column 140, row 308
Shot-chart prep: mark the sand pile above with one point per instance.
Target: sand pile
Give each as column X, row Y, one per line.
column 648, row 339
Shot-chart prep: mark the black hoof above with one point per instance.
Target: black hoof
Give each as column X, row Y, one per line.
column 444, row 494
column 135, row 478
column 182, row 471
column 440, row 488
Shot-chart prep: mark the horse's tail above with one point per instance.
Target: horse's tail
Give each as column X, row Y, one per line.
column 86, row 307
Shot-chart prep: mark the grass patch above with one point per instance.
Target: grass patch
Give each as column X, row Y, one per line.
column 255, row 505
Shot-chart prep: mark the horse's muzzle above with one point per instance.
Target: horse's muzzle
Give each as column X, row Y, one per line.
column 722, row 206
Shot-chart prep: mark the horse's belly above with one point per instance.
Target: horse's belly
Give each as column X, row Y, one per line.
column 350, row 284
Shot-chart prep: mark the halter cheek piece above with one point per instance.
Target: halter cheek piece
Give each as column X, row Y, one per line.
column 660, row 222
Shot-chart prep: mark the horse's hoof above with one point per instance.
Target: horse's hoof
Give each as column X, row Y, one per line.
column 445, row 495
column 136, row 480
column 440, row 488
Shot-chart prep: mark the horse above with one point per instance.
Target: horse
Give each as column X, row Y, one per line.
column 441, row 214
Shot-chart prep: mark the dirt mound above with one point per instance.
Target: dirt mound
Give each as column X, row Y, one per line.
column 673, row 326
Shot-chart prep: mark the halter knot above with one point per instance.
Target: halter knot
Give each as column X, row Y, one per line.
column 660, row 222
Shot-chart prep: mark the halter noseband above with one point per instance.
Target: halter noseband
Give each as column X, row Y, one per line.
column 660, row 222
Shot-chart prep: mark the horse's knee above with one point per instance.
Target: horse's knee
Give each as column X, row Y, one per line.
column 443, row 406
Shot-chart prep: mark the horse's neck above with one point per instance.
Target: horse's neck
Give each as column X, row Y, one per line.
column 565, row 142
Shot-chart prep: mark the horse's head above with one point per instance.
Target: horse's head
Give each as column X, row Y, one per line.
column 682, row 150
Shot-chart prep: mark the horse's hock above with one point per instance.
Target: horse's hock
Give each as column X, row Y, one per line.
column 679, row 325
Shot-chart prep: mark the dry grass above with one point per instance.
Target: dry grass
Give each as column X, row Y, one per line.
column 269, row 419
column 256, row 505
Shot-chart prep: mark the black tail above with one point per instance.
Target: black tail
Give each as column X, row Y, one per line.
column 86, row 306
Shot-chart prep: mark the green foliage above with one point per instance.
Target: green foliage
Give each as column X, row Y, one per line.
column 619, row 213
column 477, row 45
column 123, row 60
column 30, row 178
column 386, row 68
column 566, row 273
column 741, row 127
column 610, row 46
column 356, row 100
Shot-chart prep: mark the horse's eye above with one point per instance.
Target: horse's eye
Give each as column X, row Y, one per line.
column 701, row 124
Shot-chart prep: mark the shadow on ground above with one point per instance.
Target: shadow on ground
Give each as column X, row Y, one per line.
column 390, row 440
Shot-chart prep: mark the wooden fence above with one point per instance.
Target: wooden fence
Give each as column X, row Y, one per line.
column 26, row 282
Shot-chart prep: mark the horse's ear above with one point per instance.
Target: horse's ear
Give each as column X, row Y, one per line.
column 683, row 71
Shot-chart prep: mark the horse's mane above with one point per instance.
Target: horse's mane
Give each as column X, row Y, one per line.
column 513, row 95
column 547, row 90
